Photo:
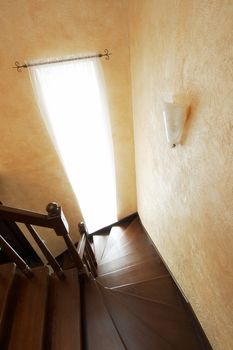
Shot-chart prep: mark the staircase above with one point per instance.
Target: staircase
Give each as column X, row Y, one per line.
column 139, row 306
column 131, row 304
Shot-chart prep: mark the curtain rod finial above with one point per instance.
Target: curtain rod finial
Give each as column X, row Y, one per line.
column 107, row 54
column 18, row 66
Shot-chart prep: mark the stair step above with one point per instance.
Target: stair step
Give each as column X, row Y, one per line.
column 28, row 326
column 135, row 334
column 141, row 247
column 7, row 274
column 124, row 261
column 167, row 327
column 100, row 242
column 134, row 230
column 64, row 312
column 116, row 233
column 150, row 268
column 100, row 332
column 160, row 289
column 132, row 234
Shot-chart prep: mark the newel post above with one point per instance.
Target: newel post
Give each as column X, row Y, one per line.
column 61, row 227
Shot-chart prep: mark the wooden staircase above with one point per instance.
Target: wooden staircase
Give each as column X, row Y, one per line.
column 42, row 312
column 130, row 303
column 141, row 307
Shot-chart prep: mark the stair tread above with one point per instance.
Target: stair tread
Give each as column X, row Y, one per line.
column 100, row 242
column 100, row 332
column 133, row 230
column 125, row 261
column 7, row 274
column 28, row 325
column 134, row 237
column 114, row 236
column 150, row 268
column 141, row 247
column 162, row 321
column 64, row 322
column 135, row 333
column 161, row 289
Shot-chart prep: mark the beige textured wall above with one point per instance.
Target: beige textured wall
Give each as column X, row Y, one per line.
column 30, row 172
column 185, row 194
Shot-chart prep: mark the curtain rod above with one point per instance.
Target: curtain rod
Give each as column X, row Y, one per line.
column 19, row 66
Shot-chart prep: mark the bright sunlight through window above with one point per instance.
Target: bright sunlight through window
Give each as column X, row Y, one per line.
column 72, row 102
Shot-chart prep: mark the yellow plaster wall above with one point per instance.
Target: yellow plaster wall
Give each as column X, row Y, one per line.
column 30, row 172
column 185, row 194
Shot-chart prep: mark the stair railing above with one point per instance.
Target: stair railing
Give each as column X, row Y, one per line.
column 88, row 255
column 55, row 220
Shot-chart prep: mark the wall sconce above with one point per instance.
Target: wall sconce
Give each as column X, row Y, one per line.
column 174, row 115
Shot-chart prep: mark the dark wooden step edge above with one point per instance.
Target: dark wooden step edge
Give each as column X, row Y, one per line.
column 205, row 344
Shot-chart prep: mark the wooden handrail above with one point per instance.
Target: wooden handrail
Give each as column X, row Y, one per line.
column 22, row 215
column 55, row 219
column 51, row 260
column 22, row 265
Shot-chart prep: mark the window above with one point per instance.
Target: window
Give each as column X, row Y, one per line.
column 72, row 102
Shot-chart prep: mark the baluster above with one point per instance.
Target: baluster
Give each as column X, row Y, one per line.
column 52, row 261
column 82, row 252
column 83, row 230
column 81, row 246
column 92, row 267
column 76, row 258
column 13, row 255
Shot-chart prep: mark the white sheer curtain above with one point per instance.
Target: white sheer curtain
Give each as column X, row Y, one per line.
column 72, row 102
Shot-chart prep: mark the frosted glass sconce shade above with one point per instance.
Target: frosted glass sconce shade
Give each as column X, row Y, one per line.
column 174, row 119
